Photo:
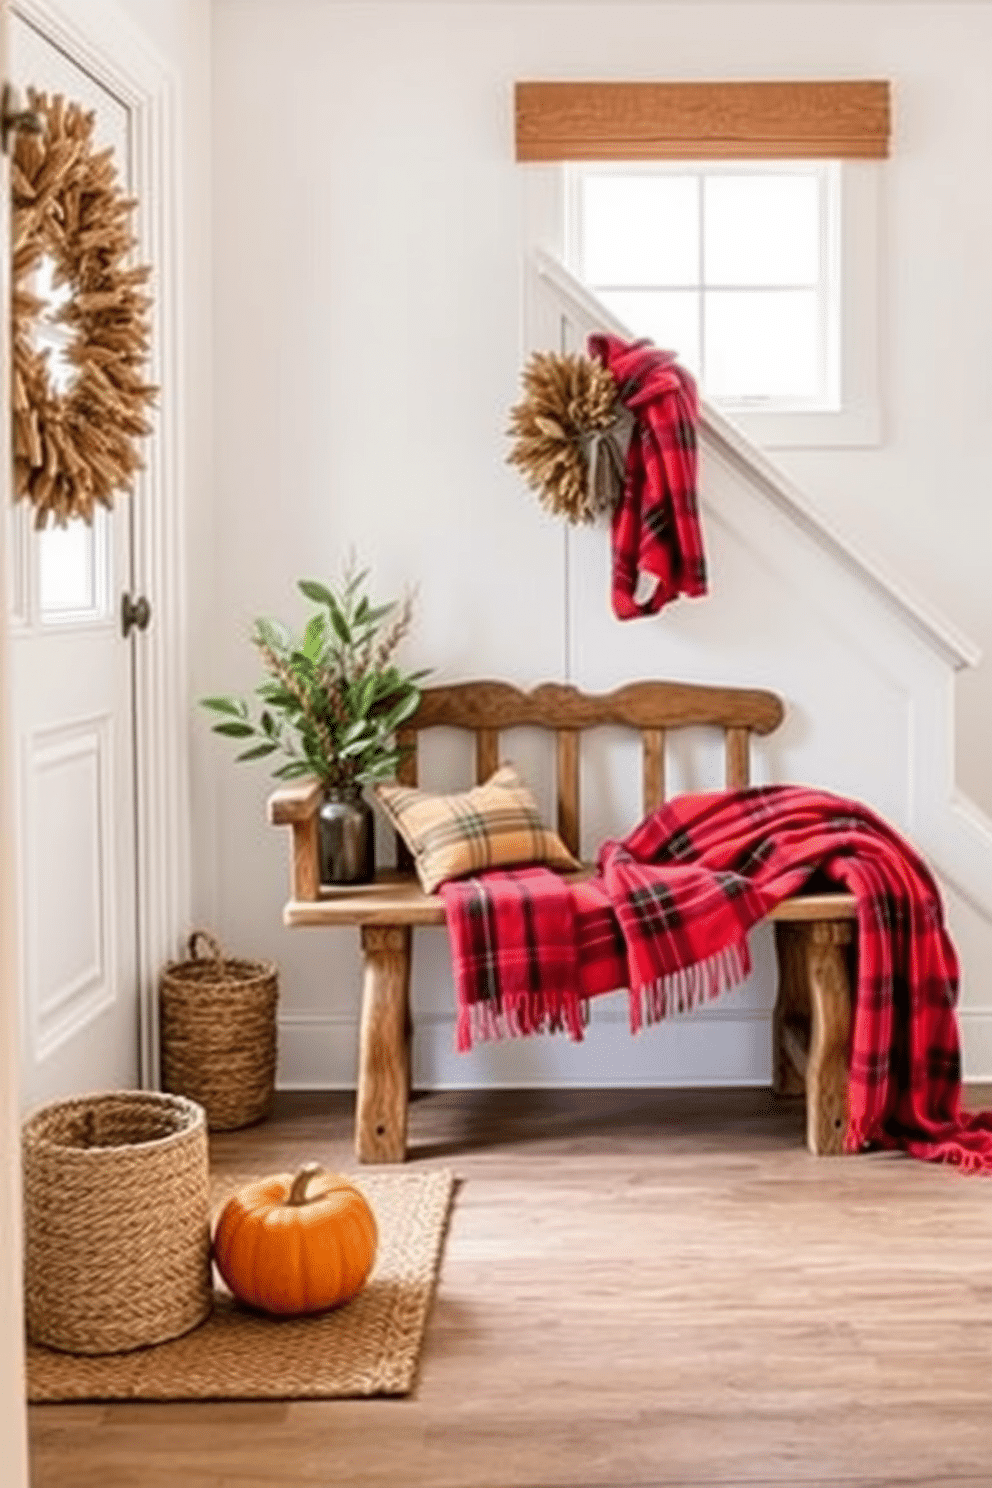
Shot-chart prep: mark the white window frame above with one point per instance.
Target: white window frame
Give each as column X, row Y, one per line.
column 853, row 416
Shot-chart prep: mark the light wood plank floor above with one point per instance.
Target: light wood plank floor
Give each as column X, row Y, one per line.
column 638, row 1288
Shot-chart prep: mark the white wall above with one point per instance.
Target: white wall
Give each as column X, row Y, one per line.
column 367, row 233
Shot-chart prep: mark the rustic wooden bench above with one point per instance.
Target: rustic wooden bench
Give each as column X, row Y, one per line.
column 813, row 931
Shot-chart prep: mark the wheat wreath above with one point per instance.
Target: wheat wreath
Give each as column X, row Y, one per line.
column 572, row 431
column 75, row 449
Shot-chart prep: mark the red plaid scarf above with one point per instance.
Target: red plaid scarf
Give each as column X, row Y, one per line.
column 656, row 529
column 668, row 913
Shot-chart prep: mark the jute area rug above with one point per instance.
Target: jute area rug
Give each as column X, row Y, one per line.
column 371, row 1346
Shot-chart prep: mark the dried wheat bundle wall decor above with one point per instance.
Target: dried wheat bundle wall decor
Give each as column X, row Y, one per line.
column 76, row 448
column 571, row 433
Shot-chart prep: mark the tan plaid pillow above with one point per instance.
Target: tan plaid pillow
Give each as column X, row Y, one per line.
column 493, row 825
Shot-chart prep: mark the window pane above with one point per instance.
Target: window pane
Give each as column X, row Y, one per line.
column 762, row 343
column 67, row 568
column 669, row 317
column 640, row 230
column 762, row 229
column 47, row 334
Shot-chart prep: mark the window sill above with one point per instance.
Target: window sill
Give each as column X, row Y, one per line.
column 846, row 428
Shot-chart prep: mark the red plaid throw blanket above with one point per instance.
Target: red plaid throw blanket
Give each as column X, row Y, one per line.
column 667, row 916
column 656, row 528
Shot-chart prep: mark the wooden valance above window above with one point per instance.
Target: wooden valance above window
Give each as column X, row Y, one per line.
column 702, row 121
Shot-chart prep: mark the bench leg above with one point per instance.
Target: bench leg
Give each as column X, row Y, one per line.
column 384, row 1046
column 830, row 1006
column 811, row 1024
column 790, row 1019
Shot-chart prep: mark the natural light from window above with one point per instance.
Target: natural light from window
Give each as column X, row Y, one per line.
column 733, row 267
column 72, row 560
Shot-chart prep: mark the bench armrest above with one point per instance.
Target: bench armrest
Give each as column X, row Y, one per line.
column 296, row 806
column 294, row 803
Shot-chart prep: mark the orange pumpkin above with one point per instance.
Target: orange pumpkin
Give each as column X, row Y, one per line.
column 292, row 1245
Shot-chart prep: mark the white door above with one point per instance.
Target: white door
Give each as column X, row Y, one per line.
column 74, row 739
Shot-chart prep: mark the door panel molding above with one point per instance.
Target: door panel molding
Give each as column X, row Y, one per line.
column 121, row 59
column 68, row 816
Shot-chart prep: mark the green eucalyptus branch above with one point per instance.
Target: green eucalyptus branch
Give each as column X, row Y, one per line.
column 333, row 696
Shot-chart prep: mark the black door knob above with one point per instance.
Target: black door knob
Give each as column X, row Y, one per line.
column 135, row 613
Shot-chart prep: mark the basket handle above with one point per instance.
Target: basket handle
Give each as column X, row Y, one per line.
column 213, row 946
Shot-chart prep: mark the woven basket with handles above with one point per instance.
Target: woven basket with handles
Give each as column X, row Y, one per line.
column 116, row 1221
column 217, row 1020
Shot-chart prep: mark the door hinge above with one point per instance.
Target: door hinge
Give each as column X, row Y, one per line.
column 15, row 118
column 135, row 614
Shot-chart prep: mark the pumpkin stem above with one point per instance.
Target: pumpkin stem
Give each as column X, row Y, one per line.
column 298, row 1192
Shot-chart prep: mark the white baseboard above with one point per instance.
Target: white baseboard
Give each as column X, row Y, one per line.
column 711, row 1047
column 976, row 1043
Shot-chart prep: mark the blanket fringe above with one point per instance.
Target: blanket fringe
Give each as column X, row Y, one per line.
column 488, row 1022
column 681, row 991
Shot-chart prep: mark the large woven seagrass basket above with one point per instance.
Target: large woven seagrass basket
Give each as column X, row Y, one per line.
column 116, row 1221
column 217, row 1029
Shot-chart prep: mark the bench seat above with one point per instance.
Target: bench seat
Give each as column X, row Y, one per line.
column 815, row 932
column 396, row 898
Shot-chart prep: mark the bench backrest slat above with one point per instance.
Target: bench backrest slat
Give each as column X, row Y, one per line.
column 486, row 753
column 653, row 768
column 738, row 758
column 568, row 788
column 652, row 708
column 406, row 774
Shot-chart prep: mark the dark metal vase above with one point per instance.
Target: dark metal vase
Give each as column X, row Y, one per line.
column 347, row 838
